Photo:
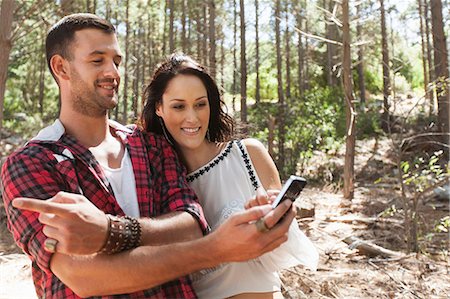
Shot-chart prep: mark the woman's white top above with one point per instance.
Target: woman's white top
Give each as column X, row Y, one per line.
column 223, row 186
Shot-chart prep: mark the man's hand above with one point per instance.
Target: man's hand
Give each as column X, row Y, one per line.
column 238, row 238
column 71, row 219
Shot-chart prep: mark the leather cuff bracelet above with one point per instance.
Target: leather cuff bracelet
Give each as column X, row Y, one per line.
column 124, row 233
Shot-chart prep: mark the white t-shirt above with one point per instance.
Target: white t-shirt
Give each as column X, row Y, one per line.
column 223, row 186
column 124, row 185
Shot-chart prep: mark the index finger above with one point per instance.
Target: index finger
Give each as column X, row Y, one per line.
column 272, row 218
column 40, row 206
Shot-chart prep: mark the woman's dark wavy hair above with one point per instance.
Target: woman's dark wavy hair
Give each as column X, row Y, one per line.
column 221, row 125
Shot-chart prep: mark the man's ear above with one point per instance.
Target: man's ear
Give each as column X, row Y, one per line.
column 60, row 67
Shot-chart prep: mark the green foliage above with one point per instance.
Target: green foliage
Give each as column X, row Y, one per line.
column 368, row 124
column 374, row 81
column 443, row 225
column 422, row 173
column 389, row 212
column 316, row 121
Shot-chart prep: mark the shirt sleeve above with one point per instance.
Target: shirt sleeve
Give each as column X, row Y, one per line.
column 176, row 194
column 25, row 174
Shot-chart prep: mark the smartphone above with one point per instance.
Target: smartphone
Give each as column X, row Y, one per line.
column 291, row 190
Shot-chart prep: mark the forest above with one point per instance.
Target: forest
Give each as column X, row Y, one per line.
column 352, row 95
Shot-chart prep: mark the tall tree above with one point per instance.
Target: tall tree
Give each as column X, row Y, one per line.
column 441, row 67
column 288, row 53
column 431, row 73
column 183, row 26
column 281, row 131
column 360, row 66
column 67, row 7
column 331, row 34
column 306, row 52
column 258, row 83
column 300, row 52
column 212, row 38
column 198, row 31
column 6, row 19
column 164, row 37
column 386, row 67
column 171, row 20
column 243, row 65
column 204, row 34
column 234, row 86
column 42, row 67
column 349, row 172
column 424, row 58
column 127, row 58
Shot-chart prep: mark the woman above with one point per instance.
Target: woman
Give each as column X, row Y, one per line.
column 182, row 102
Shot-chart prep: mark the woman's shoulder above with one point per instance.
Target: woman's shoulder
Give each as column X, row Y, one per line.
column 254, row 146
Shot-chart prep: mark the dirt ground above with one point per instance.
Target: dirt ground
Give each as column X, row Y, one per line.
column 343, row 271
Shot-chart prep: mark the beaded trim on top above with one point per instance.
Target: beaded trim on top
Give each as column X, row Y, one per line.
column 190, row 178
column 249, row 167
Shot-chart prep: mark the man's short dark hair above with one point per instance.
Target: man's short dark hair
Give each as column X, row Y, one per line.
column 62, row 33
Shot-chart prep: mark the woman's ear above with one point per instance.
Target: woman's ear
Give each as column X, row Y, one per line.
column 59, row 67
column 158, row 109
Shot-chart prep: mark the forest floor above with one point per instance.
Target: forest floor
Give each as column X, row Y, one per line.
column 343, row 272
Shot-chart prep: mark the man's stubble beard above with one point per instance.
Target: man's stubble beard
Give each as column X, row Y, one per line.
column 88, row 102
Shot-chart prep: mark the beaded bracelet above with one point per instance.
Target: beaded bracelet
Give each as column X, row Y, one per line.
column 124, row 233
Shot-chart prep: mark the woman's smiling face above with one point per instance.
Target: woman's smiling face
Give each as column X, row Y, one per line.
column 185, row 110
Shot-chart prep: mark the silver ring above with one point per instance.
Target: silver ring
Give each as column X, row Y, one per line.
column 261, row 225
column 50, row 245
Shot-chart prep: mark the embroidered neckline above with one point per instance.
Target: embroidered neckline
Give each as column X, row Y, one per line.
column 249, row 167
column 204, row 169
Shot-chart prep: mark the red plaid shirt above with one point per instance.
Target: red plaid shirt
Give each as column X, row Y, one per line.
column 43, row 168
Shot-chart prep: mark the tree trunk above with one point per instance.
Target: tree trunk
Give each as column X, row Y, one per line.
column 350, row 109
column 189, row 30
column 431, row 74
column 243, row 66
column 280, row 121
column 386, row 68
column 234, row 87
column 42, row 67
column 198, row 27
column 424, row 59
column 204, row 36
column 136, row 76
column 125, row 67
column 6, row 19
column 258, row 83
column 107, row 10
column 361, row 81
column 300, row 51
column 183, row 26
column 171, row 18
column 288, row 54
column 393, row 86
column 164, row 39
column 332, row 34
column 67, row 7
column 222, row 64
column 440, row 67
column 212, row 39
column 306, row 53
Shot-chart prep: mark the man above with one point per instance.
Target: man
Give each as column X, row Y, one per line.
column 77, row 247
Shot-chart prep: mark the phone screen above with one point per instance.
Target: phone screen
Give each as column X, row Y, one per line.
column 291, row 190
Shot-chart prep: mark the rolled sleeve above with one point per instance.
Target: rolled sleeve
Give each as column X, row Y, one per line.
column 176, row 195
column 25, row 176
